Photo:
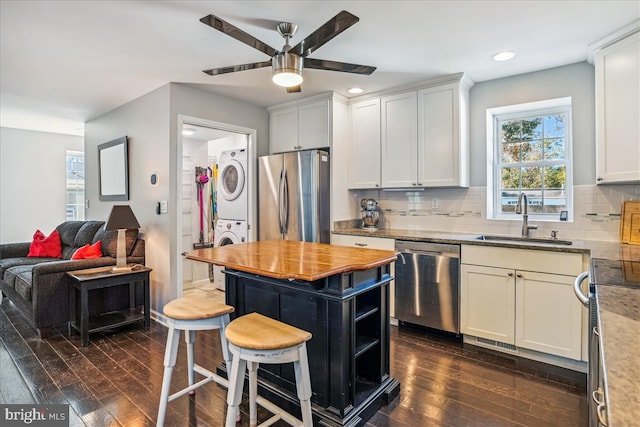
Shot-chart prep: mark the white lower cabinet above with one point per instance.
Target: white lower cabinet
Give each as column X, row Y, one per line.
column 523, row 298
column 548, row 315
column 487, row 303
column 371, row 243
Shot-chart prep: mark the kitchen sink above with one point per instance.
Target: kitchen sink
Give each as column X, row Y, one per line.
column 524, row 239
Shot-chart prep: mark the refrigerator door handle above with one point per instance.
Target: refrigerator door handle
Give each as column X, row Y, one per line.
column 280, row 198
column 285, row 203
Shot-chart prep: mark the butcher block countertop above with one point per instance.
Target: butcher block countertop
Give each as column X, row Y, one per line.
column 291, row 260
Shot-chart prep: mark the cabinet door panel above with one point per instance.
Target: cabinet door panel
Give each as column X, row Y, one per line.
column 313, row 120
column 284, row 130
column 487, row 303
column 438, row 139
column 399, row 141
column 617, row 111
column 364, row 154
column 548, row 315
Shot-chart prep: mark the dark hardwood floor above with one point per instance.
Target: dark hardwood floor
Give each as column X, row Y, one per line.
column 116, row 380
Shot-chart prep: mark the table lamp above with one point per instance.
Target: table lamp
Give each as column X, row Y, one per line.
column 121, row 219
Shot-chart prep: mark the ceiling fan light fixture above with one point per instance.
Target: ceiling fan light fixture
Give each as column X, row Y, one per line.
column 287, row 69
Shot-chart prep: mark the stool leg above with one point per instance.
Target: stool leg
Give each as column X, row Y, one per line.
column 303, row 385
column 253, row 392
column 170, row 353
column 189, row 338
column 236, row 384
column 225, row 351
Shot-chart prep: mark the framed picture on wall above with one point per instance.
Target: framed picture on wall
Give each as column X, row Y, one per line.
column 113, row 170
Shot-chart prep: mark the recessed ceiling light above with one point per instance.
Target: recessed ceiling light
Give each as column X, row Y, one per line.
column 503, row 56
column 188, row 131
column 355, row 90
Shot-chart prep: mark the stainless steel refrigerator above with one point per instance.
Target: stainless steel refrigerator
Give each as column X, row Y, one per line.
column 293, row 196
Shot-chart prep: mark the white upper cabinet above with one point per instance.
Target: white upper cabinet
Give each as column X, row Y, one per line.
column 422, row 135
column 364, row 147
column 399, row 140
column 300, row 127
column 443, row 158
column 617, row 69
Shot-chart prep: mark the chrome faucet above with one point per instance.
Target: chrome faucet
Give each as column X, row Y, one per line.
column 525, row 215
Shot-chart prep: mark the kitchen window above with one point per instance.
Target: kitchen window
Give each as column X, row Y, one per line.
column 529, row 150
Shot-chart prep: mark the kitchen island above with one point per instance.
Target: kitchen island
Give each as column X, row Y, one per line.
column 339, row 294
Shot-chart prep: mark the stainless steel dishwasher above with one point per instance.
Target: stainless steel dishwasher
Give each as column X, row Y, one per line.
column 427, row 285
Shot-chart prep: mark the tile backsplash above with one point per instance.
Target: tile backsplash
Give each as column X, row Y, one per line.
column 596, row 213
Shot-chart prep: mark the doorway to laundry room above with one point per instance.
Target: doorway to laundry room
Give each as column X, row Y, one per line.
column 215, row 195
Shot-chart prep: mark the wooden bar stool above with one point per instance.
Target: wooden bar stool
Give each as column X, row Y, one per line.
column 192, row 313
column 255, row 339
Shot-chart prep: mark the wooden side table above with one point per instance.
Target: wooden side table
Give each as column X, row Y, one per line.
column 99, row 278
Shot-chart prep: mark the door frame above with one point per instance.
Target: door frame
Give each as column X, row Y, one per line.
column 177, row 172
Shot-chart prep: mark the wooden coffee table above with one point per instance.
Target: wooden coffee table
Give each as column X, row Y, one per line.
column 99, row 278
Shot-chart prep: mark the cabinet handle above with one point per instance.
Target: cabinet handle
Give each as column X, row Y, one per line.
column 599, row 178
column 519, row 275
column 362, row 245
column 377, row 185
column 510, row 274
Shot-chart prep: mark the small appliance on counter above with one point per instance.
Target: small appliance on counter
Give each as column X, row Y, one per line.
column 370, row 213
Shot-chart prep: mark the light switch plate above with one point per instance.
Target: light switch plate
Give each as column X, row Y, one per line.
column 163, row 206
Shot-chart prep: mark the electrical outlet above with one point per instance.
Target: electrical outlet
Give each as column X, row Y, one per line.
column 163, row 207
column 434, row 204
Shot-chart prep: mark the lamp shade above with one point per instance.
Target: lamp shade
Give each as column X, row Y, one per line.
column 122, row 217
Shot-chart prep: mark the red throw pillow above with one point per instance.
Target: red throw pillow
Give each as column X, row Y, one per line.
column 88, row 251
column 46, row 246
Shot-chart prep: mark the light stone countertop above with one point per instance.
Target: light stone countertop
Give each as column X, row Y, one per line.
column 619, row 310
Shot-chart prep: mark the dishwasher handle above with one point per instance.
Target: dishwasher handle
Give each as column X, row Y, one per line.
column 428, row 248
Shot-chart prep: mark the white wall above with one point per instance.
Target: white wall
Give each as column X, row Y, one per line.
column 151, row 123
column 575, row 80
column 32, row 181
column 146, row 122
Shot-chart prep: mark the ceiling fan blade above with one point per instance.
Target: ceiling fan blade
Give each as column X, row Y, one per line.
column 323, row 64
column 326, row 32
column 234, row 68
column 238, row 34
column 294, row 89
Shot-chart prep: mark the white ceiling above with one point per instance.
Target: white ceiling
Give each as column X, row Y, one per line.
column 63, row 63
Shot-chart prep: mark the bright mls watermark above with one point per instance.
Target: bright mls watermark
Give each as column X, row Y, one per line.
column 34, row 415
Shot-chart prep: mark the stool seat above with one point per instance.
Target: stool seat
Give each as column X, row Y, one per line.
column 254, row 339
column 191, row 307
column 257, row 332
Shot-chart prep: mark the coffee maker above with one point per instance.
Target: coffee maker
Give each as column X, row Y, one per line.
column 370, row 213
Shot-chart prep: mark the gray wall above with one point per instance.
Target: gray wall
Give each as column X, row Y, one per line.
column 150, row 122
column 575, row 80
column 33, row 181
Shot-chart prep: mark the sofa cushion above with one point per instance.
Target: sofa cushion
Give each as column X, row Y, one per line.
column 12, row 274
column 68, row 231
column 45, row 246
column 22, row 284
column 7, row 263
column 86, row 233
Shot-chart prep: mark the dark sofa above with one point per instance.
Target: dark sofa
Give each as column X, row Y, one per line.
column 39, row 288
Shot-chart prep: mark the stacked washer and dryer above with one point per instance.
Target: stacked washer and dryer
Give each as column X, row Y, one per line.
column 232, row 201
